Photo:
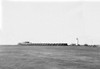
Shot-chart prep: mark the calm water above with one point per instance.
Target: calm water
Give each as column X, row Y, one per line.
column 37, row 57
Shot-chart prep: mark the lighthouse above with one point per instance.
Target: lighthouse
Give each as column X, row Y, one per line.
column 77, row 41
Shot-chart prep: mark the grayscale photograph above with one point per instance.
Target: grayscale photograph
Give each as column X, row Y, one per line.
column 49, row 34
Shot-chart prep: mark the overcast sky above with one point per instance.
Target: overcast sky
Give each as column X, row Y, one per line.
column 50, row 22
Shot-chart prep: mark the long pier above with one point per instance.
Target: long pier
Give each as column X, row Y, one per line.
column 43, row 44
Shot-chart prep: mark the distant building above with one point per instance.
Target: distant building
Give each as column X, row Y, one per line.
column 25, row 43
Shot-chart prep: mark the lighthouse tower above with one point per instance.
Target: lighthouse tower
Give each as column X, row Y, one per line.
column 77, row 41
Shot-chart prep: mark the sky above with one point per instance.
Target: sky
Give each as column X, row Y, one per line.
column 50, row 22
